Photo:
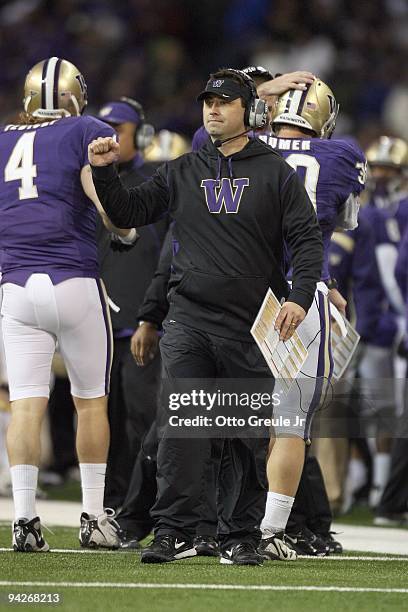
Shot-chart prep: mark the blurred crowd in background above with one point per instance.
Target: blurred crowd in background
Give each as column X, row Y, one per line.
column 161, row 51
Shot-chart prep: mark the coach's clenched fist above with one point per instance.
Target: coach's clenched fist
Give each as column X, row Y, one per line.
column 103, row 151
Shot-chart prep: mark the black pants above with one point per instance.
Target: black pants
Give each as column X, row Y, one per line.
column 181, row 462
column 395, row 497
column 394, row 500
column 135, row 514
column 131, row 410
column 62, row 426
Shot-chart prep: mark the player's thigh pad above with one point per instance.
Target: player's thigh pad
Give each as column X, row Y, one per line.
column 311, row 386
column 85, row 335
column 29, row 320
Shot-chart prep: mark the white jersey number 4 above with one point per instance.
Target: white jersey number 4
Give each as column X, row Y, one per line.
column 20, row 166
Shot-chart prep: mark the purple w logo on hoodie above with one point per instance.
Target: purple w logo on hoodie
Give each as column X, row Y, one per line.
column 224, row 193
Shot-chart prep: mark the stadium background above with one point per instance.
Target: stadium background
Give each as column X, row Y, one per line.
column 160, row 52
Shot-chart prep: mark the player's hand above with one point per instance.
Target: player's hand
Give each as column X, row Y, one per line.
column 338, row 300
column 144, row 343
column 103, row 151
column 292, row 80
column 289, row 318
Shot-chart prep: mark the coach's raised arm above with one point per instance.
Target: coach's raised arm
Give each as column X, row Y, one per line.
column 133, row 207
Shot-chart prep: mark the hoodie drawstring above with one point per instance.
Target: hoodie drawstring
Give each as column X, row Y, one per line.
column 230, row 172
column 219, row 168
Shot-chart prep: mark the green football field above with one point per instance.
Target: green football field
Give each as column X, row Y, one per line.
column 117, row 581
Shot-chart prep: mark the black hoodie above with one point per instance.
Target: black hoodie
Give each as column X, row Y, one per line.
column 230, row 250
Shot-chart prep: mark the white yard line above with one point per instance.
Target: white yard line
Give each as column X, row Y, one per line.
column 226, row 587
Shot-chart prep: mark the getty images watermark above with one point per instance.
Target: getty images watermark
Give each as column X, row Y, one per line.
column 222, row 407
column 219, row 400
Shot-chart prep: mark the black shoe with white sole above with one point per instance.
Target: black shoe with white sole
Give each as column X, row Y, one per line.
column 27, row 536
column 335, row 547
column 166, row 548
column 305, row 542
column 241, row 554
column 128, row 541
column 206, row 546
column 391, row 520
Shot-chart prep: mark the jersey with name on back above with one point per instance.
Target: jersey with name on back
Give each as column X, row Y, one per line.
column 47, row 223
column 331, row 171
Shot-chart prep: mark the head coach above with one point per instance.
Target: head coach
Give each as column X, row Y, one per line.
column 235, row 204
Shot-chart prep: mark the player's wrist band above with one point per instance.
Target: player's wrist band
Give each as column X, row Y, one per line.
column 130, row 238
column 148, row 322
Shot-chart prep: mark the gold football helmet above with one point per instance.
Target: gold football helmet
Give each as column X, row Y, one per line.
column 313, row 109
column 166, row 146
column 387, row 151
column 54, row 88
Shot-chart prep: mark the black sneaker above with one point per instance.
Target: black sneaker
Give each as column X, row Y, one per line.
column 241, row 554
column 275, row 548
column 128, row 541
column 305, row 542
column 167, row 548
column 335, row 547
column 206, row 546
column 391, row 520
column 27, row 536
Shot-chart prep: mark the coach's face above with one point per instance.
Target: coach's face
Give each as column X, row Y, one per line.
column 223, row 119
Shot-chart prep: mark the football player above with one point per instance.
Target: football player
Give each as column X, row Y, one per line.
column 386, row 209
column 386, row 197
column 353, row 263
column 334, row 173
column 52, row 292
column 392, row 508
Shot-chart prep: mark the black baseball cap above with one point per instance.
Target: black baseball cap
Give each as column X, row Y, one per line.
column 225, row 88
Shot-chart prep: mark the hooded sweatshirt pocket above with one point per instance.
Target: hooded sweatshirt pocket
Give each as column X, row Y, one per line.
column 240, row 296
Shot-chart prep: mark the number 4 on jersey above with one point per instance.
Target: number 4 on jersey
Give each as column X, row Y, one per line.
column 20, row 166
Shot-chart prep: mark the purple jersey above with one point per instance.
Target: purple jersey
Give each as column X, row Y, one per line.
column 389, row 223
column 401, row 267
column 47, row 223
column 199, row 139
column 353, row 264
column 331, row 170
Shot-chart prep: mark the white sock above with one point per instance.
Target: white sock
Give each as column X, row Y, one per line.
column 93, row 487
column 24, row 480
column 381, row 469
column 277, row 512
